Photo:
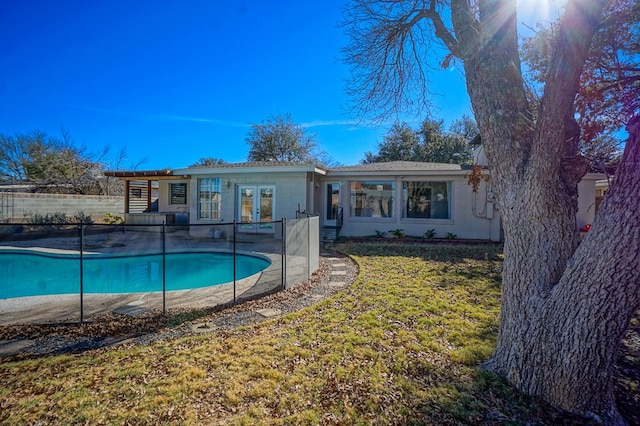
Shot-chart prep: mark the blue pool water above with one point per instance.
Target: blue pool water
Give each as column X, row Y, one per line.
column 33, row 274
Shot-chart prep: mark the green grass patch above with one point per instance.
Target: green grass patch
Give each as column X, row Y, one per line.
column 402, row 345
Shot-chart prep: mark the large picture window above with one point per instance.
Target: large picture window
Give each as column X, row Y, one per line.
column 372, row 199
column 426, row 200
column 209, row 198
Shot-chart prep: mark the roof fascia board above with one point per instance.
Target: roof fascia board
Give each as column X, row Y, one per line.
column 398, row 173
column 248, row 169
column 595, row 176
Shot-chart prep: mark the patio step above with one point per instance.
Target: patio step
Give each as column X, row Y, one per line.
column 328, row 233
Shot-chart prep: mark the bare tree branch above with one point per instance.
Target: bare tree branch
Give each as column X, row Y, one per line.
column 392, row 55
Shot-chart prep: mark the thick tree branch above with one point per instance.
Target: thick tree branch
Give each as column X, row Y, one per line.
column 441, row 31
column 465, row 26
column 575, row 33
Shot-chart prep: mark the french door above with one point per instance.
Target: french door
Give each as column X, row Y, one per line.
column 256, row 208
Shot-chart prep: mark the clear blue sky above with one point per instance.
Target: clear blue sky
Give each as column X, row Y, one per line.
column 175, row 81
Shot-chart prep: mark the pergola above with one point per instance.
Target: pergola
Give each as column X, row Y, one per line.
column 144, row 175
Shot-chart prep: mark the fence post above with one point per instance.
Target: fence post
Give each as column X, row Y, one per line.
column 284, row 253
column 81, row 271
column 164, row 269
column 308, row 247
column 234, row 261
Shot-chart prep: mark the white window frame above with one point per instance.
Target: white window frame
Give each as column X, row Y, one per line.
column 366, row 209
column 209, row 208
column 447, row 201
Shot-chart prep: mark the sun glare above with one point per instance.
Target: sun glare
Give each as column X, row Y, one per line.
column 531, row 12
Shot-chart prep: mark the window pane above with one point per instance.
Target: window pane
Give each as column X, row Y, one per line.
column 209, row 198
column 429, row 200
column 371, row 199
column 203, row 211
column 178, row 193
column 333, row 201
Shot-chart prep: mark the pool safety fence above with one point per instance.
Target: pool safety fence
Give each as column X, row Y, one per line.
column 70, row 272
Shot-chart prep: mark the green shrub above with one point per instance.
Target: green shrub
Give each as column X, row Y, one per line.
column 397, row 233
column 430, row 233
column 111, row 219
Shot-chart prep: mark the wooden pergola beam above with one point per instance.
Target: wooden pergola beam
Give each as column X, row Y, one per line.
column 140, row 173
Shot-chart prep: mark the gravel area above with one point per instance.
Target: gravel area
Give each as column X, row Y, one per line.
column 336, row 272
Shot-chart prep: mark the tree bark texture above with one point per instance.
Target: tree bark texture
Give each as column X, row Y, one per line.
column 564, row 310
column 564, row 306
column 561, row 344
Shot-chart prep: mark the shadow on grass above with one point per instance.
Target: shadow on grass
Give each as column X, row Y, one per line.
column 489, row 400
column 481, row 397
column 440, row 252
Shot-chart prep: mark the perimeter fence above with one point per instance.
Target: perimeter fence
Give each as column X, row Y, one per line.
column 64, row 272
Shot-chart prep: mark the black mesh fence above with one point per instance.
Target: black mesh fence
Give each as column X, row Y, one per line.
column 72, row 272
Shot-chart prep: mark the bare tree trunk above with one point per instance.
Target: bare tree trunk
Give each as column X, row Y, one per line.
column 563, row 345
column 563, row 310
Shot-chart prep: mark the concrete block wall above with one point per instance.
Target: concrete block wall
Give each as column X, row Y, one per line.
column 19, row 206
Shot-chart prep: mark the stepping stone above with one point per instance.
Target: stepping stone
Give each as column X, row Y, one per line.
column 338, row 272
column 268, row 312
column 10, row 347
column 340, row 265
column 336, row 284
column 130, row 310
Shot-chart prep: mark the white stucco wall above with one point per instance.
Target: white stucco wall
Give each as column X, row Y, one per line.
column 463, row 222
column 164, row 197
column 290, row 191
column 587, row 199
column 472, row 215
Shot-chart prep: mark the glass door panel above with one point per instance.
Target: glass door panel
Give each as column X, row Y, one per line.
column 245, row 208
column 332, row 203
column 256, row 208
column 265, row 212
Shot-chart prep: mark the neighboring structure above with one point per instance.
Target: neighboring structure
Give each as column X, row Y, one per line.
column 363, row 200
column 18, row 203
column 602, row 186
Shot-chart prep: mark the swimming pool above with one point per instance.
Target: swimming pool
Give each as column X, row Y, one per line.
column 29, row 273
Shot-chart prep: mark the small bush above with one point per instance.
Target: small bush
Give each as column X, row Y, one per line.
column 450, row 236
column 80, row 217
column 57, row 218
column 397, row 233
column 430, row 233
column 111, row 219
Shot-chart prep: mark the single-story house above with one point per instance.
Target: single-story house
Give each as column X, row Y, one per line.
column 408, row 197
